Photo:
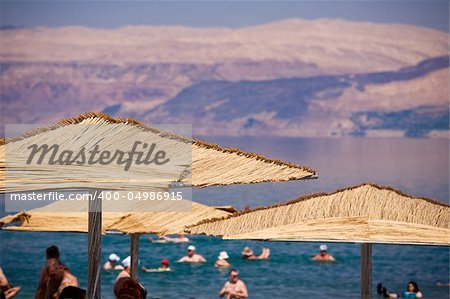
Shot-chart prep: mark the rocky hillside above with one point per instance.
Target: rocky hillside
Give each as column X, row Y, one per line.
column 290, row 78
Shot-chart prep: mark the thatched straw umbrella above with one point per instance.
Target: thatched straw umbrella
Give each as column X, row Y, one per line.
column 192, row 163
column 169, row 218
column 363, row 214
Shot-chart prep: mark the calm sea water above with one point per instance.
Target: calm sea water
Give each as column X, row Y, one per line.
column 416, row 166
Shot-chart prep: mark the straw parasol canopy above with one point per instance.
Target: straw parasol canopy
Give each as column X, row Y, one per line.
column 169, row 217
column 192, row 162
column 366, row 213
column 189, row 163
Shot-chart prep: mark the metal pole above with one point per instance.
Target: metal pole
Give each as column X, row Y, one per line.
column 366, row 271
column 94, row 244
column 134, row 253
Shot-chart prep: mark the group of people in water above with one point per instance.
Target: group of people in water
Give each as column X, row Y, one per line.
column 57, row 281
column 412, row 291
column 234, row 288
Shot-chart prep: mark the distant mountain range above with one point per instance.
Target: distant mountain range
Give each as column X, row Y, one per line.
column 288, row 78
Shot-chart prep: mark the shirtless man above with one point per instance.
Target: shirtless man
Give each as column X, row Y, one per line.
column 323, row 255
column 125, row 275
column 192, row 256
column 111, row 264
column 181, row 238
column 222, row 260
column 234, row 288
column 126, row 272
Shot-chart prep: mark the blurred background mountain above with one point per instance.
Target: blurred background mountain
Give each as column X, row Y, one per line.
column 325, row 77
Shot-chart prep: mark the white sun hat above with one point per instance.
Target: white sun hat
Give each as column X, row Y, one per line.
column 127, row 262
column 114, row 257
column 323, row 247
column 223, row 255
column 191, row 247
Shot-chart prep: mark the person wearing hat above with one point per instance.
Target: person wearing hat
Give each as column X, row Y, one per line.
column 248, row 254
column 222, row 260
column 111, row 264
column 234, row 288
column 125, row 286
column 192, row 256
column 323, row 255
column 126, row 272
column 164, row 267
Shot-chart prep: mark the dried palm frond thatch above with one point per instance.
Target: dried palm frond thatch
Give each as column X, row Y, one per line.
column 169, row 217
column 209, row 164
column 361, row 213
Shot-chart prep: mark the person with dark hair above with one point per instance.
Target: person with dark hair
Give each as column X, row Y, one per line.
column 128, row 288
column 412, row 291
column 234, row 288
column 50, row 280
column 55, row 276
column 7, row 291
column 71, row 292
column 52, row 252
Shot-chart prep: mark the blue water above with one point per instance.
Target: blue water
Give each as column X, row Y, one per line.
column 416, row 166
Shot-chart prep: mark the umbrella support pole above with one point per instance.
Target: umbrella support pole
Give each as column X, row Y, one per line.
column 94, row 244
column 366, row 271
column 134, row 254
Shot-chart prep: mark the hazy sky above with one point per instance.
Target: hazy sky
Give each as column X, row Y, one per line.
column 111, row 14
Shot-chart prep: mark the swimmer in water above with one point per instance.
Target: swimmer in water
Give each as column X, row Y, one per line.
column 412, row 291
column 443, row 284
column 192, row 256
column 181, row 238
column 323, row 255
column 222, row 260
column 234, row 288
column 164, row 267
column 126, row 272
column 159, row 240
column 248, row 254
column 111, row 264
